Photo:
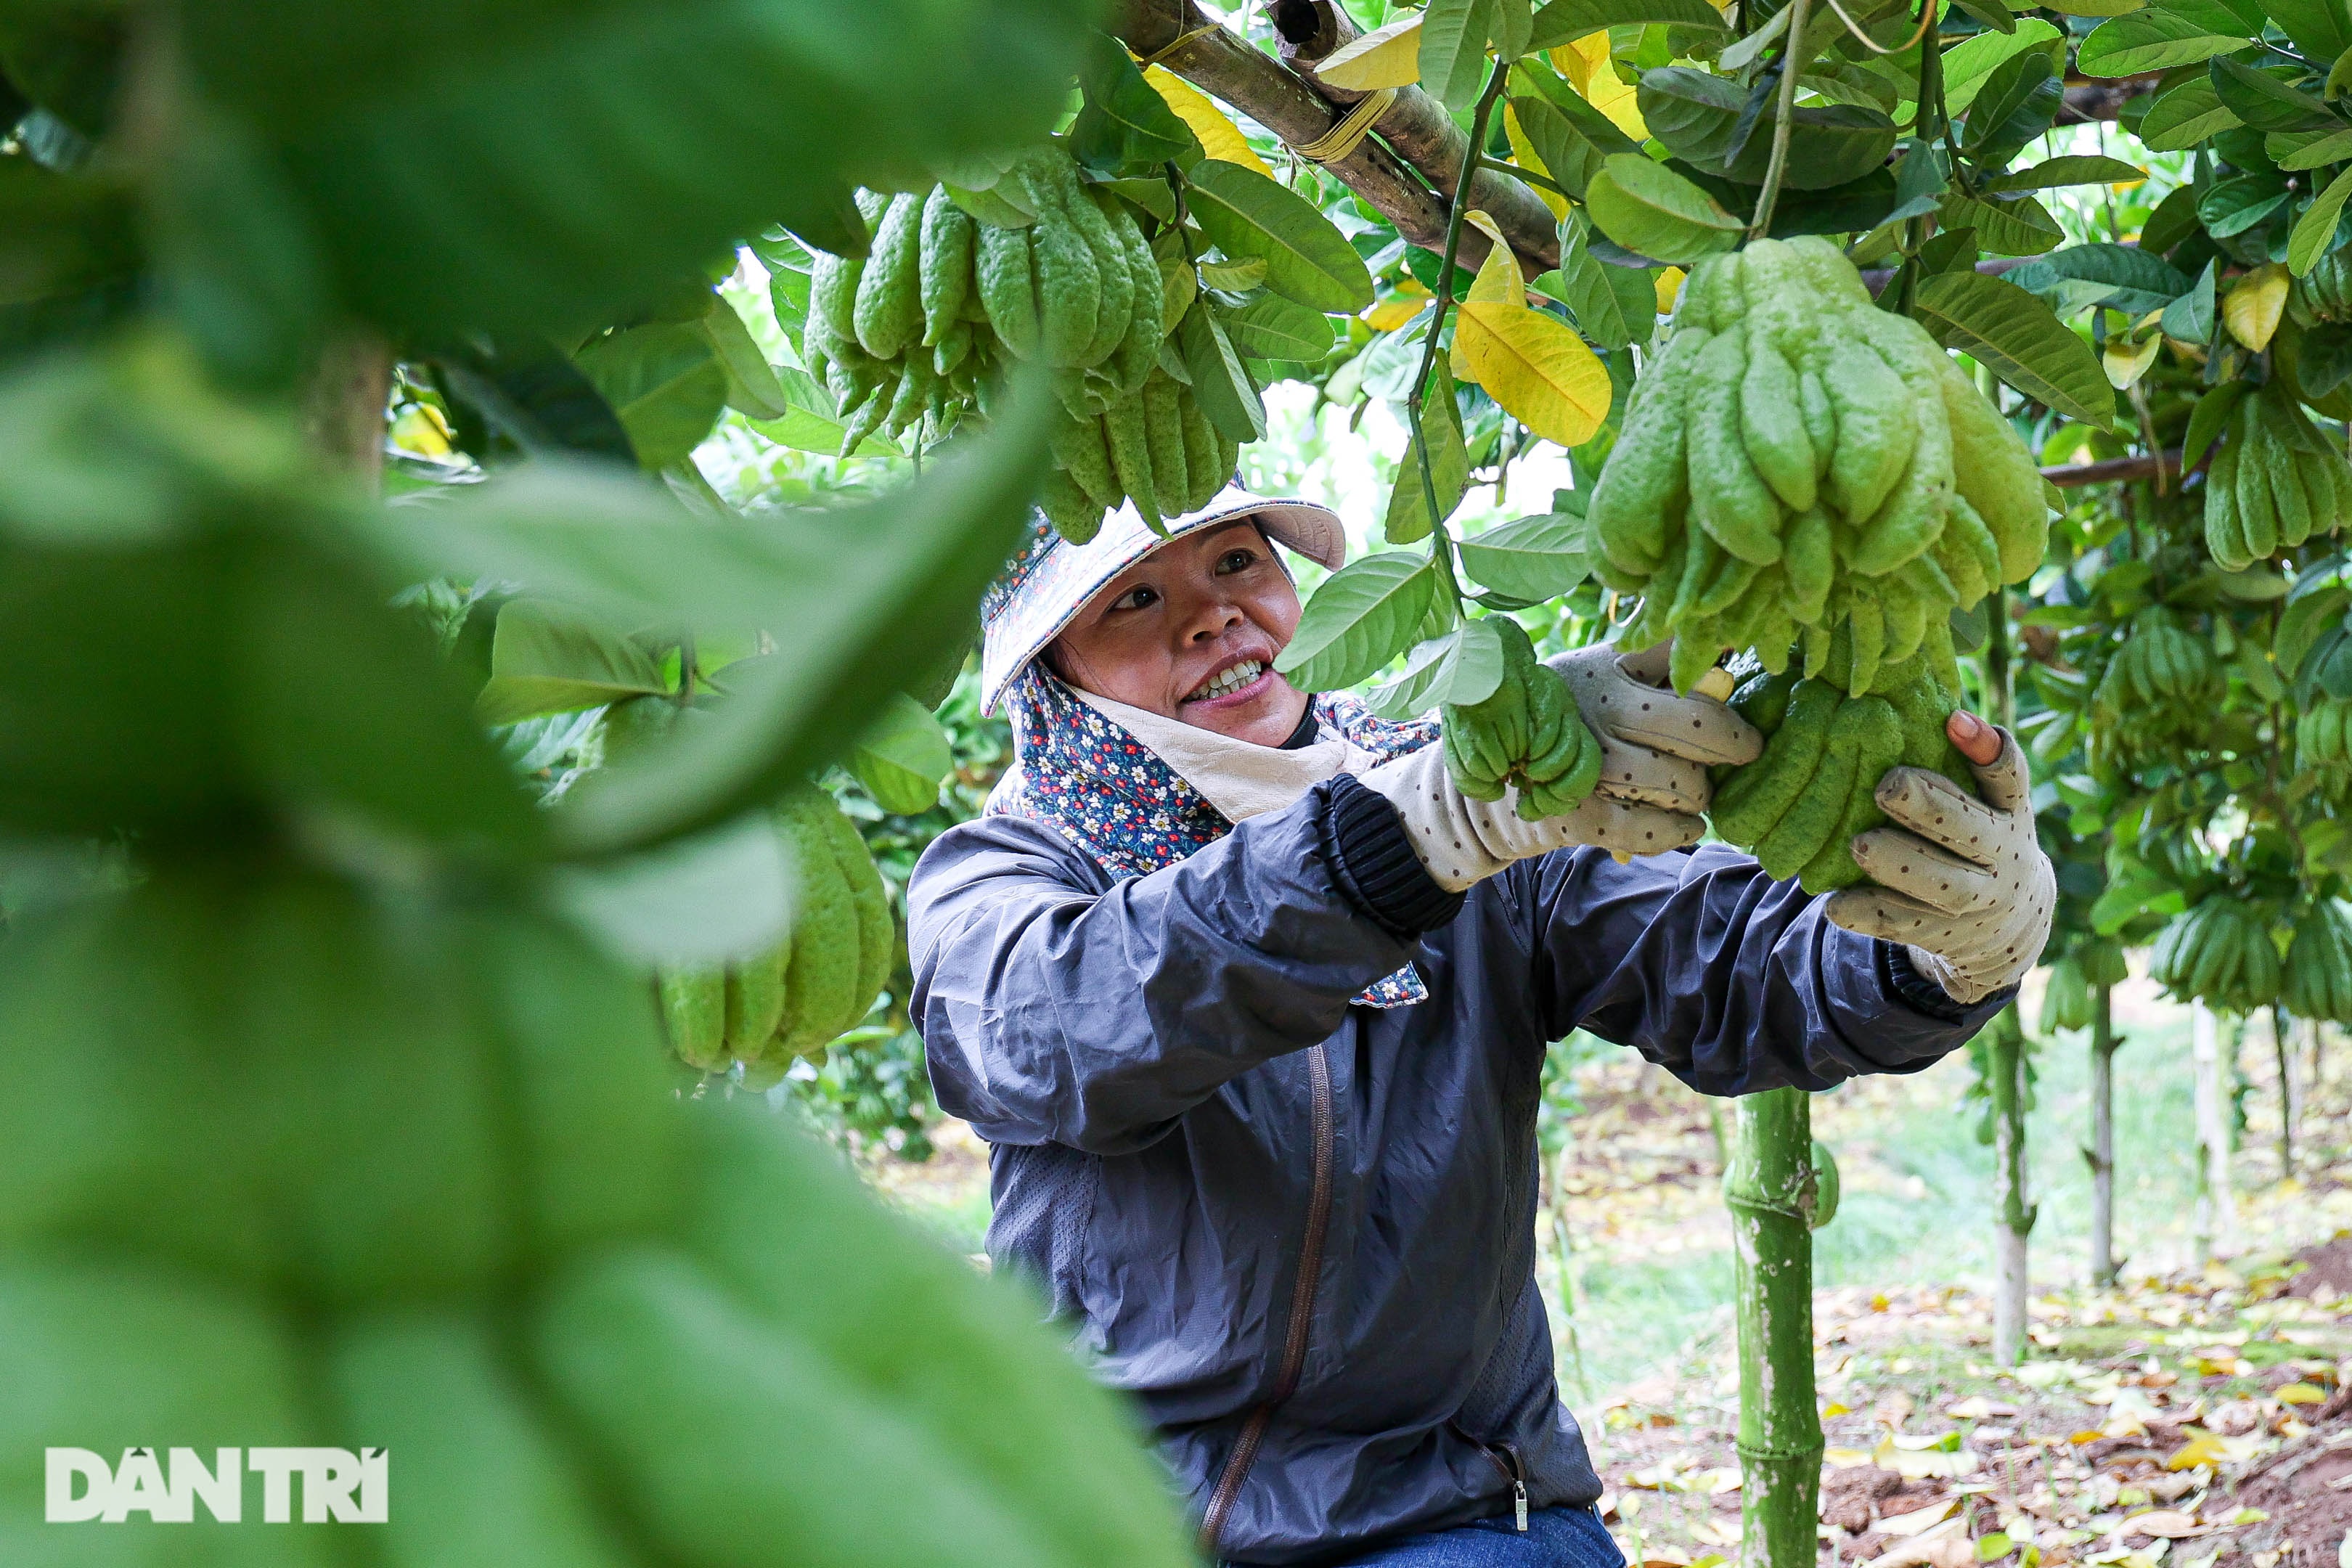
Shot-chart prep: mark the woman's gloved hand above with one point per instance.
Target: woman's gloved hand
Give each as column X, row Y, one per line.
column 1962, row 883
column 1655, row 749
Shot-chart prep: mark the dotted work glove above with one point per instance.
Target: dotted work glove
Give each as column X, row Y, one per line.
column 1461, row 841
column 1967, row 888
column 1656, row 747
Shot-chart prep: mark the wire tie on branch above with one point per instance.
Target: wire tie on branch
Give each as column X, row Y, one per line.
column 1927, row 19
column 1348, row 133
column 1145, row 62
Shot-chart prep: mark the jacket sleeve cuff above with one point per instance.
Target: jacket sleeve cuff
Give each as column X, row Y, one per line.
column 1903, row 980
column 1372, row 858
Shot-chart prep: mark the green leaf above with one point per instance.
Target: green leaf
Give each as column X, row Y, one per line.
column 2209, row 418
column 2233, row 206
column 1571, row 156
column 1564, row 21
column 2174, row 220
column 1652, row 211
column 1220, row 383
column 2314, row 231
column 720, row 895
column 751, row 384
column 665, row 384
column 2322, row 29
column 1125, row 126
column 2005, row 226
column 2098, row 7
column 851, row 622
column 1307, row 259
column 1449, row 466
column 1453, row 35
column 1613, row 306
column 1004, row 206
column 1532, row 558
column 2303, row 621
column 2264, row 101
column 541, row 166
column 2184, row 114
column 2142, row 282
column 1968, row 64
column 903, row 757
column 1414, row 690
column 2294, row 151
column 1462, row 663
column 1697, row 116
column 2323, row 362
column 547, row 657
column 2073, row 169
column 1360, row 618
column 2011, row 333
column 1268, row 326
column 1514, row 25
column 2190, row 318
column 2151, row 40
column 531, row 391
column 2019, row 100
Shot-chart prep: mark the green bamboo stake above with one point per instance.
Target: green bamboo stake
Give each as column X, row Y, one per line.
column 2013, row 1214
column 1771, row 1188
column 2102, row 1152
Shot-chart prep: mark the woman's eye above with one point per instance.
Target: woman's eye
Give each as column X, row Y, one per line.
column 1237, row 561
column 1136, row 599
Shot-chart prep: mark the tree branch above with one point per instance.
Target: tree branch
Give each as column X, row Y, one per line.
column 2066, row 475
column 1410, row 180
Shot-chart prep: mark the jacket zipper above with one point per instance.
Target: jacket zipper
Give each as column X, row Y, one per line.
column 1302, row 1309
column 1516, row 1474
column 1506, row 1459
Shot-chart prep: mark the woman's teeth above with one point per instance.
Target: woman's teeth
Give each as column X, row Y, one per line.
column 1231, row 681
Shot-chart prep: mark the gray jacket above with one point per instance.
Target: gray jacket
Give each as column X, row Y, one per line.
column 1301, row 1232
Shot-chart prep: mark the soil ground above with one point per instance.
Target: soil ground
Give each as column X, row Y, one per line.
column 2190, row 1416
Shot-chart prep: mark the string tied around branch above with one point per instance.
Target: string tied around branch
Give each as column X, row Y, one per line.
column 1349, row 131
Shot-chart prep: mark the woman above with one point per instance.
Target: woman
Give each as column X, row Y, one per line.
column 1251, row 1006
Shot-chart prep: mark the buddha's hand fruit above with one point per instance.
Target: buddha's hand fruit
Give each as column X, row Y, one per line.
column 1527, row 736
column 1797, row 460
column 2219, row 952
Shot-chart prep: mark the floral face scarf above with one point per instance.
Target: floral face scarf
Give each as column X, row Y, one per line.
column 1085, row 775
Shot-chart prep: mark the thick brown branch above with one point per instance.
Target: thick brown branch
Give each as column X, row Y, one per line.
column 2087, row 100
column 1417, row 126
column 2066, row 475
column 1261, row 87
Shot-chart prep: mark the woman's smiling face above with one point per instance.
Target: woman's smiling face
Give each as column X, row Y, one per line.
column 1190, row 632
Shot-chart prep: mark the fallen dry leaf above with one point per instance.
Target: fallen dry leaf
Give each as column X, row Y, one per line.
column 1919, row 1520
column 2169, row 1523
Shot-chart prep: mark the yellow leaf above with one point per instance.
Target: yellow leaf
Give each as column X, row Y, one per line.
column 2299, row 1393
column 1585, row 63
column 421, row 430
column 1387, row 315
column 1670, row 288
column 2125, row 362
column 1844, row 1459
column 2202, row 1449
column 1220, row 137
column 1523, row 152
column 1536, row 367
column 1499, row 277
column 1385, row 57
column 2253, row 307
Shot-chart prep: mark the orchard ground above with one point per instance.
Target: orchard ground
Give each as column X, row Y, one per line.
column 2190, row 1416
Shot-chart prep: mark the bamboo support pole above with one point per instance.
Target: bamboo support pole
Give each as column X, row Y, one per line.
column 2102, row 1152
column 1770, row 1187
